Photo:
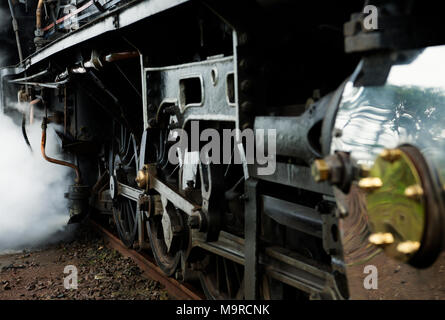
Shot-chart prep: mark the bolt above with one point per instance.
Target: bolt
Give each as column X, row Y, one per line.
column 391, row 155
column 243, row 39
column 246, row 106
column 320, row 170
column 408, row 247
column 414, row 192
column 244, row 65
column 152, row 122
column 370, row 184
column 380, row 239
column 142, row 178
column 246, row 86
column 194, row 222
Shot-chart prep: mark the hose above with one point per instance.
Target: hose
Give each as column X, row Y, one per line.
column 25, row 136
column 55, row 161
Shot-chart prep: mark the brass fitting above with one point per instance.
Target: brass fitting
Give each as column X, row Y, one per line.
column 320, row 170
column 381, row 239
column 414, row 192
column 408, row 247
column 143, row 177
column 391, row 155
column 370, row 184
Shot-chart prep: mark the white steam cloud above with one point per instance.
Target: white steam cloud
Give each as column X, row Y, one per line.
column 33, row 209
column 32, row 204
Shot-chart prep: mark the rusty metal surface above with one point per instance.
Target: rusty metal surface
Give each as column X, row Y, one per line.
column 176, row 289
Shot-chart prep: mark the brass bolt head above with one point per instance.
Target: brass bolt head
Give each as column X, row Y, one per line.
column 370, row 184
column 320, row 170
column 414, row 192
column 142, row 178
column 381, row 239
column 408, row 247
column 391, row 155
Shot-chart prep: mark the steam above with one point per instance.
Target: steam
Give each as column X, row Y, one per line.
column 32, row 204
column 33, row 210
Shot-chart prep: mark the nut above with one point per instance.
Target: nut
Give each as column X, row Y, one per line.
column 414, row 192
column 380, row 238
column 194, row 222
column 142, row 178
column 408, row 247
column 391, row 155
column 320, row 170
column 370, row 184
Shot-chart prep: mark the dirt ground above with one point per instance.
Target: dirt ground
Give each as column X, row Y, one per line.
column 103, row 274
column 399, row 281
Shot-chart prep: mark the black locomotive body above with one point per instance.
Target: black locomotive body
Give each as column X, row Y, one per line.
column 121, row 77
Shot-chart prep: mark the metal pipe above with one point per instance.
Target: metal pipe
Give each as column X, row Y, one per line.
column 39, row 15
column 15, row 26
column 118, row 56
column 55, row 161
column 31, row 110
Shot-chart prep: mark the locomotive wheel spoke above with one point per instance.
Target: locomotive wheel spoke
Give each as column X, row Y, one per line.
column 220, row 279
column 167, row 257
column 125, row 218
column 125, row 210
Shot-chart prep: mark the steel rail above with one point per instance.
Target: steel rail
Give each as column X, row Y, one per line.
column 151, row 270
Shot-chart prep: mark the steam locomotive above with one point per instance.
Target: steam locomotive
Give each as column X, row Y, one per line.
column 353, row 93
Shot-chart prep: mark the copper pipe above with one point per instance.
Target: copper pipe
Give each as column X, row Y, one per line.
column 113, row 57
column 55, row 161
column 39, row 15
column 35, row 101
column 31, row 110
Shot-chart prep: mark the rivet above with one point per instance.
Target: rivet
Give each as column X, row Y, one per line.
column 408, row 247
column 381, row 238
column 414, row 192
column 370, row 183
column 391, row 155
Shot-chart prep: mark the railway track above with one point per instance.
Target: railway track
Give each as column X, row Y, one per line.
column 175, row 288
